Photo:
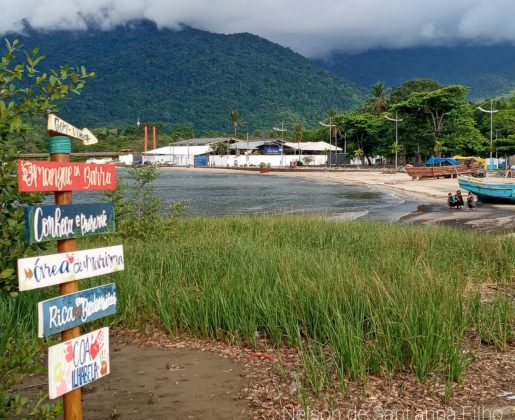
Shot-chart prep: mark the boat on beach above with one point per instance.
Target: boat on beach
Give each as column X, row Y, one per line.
column 448, row 171
column 498, row 190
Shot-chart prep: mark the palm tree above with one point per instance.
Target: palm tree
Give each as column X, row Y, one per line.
column 298, row 134
column 439, row 148
column 236, row 120
column 396, row 148
column 377, row 103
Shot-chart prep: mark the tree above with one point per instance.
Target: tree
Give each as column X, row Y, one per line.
column 396, row 149
column 377, row 103
column 461, row 134
column 182, row 131
column 298, row 134
column 25, row 93
column 236, row 120
column 364, row 129
column 403, row 92
column 505, row 146
column 219, row 148
column 441, row 113
column 439, row 147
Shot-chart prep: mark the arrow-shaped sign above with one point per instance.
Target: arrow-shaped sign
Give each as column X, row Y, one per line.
column 59, row 126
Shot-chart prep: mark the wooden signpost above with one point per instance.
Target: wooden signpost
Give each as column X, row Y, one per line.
column 78, row 359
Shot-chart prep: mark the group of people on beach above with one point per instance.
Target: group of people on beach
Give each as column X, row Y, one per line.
column 457, row 202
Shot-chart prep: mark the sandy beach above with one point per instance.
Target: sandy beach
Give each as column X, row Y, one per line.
column 431, row 193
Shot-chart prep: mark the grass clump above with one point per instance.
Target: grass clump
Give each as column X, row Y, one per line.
column 375, row 297
column 357, row 298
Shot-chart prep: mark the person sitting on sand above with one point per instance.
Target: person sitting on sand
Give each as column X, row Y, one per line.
column 470, row 201
column 451, row 202
column 458, row 198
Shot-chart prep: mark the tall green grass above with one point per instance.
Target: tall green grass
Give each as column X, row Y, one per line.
column 357, row 298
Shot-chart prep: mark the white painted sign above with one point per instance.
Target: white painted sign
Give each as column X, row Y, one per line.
column 59, row 126
column 48, row 270
column 78, row 362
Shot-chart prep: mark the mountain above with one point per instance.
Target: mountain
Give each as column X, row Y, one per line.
column 191, row 76
column 487, row 70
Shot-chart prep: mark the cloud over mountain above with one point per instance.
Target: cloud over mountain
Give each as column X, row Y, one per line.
column 311, row 28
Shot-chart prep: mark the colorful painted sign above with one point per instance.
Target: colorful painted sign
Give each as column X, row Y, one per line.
column 38, row 176
column 68, row 311
column 78, row 362
column 46, row 223
column 59, row 126
column 47, row 270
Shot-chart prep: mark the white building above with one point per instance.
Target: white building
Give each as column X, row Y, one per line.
column 182, row 153
column 243, row 153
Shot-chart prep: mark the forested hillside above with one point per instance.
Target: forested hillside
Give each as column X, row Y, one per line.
column 487, row 70
column 191, row 76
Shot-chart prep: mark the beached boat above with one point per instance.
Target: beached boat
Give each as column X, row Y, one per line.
column 450, row 171
column 500, row 190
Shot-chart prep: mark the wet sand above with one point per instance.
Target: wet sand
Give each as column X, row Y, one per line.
column 432, row 193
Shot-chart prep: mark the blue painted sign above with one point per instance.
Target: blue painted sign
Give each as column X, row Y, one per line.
column 272, row 149
column 68, row 311
column 47, row 223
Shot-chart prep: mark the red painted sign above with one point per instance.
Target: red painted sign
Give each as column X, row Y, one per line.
column 39, row 176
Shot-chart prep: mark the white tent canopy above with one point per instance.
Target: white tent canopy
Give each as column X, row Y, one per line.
column 313, row 146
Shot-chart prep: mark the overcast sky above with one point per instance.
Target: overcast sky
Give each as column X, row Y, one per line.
column 312, row 28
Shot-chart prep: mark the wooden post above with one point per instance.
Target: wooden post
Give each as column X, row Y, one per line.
column 60, row 149
column 154, row 137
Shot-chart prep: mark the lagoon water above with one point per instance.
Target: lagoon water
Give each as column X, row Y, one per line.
column 216, row 193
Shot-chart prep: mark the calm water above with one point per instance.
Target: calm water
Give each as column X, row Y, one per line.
column 213, row 193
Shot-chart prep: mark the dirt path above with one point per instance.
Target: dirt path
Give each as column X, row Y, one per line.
column 162, row 383
column 154, row 383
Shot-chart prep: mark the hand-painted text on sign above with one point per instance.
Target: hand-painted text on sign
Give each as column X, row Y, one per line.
column 38, row 176
column 68, row 311
column 59, row 126
column 46, row 223
column 78, row 362
column 47, row 270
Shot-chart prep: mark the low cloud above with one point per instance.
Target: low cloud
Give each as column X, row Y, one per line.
column 310, row 28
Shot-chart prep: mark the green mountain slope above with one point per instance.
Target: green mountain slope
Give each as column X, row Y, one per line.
column 487, row 70
column 191, row 76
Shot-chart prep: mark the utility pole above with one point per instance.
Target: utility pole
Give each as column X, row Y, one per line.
column 282, row 130
column 396, row 120
column 330, row 135
column 492, row 111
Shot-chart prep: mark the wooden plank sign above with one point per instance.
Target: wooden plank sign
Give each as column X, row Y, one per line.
column 78, row 362
column 39, row 176
column 68, row 311
column 58, row 126
column 46, row 223
column 48, row 270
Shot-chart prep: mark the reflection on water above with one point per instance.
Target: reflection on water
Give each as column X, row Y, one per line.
column 215, row 193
